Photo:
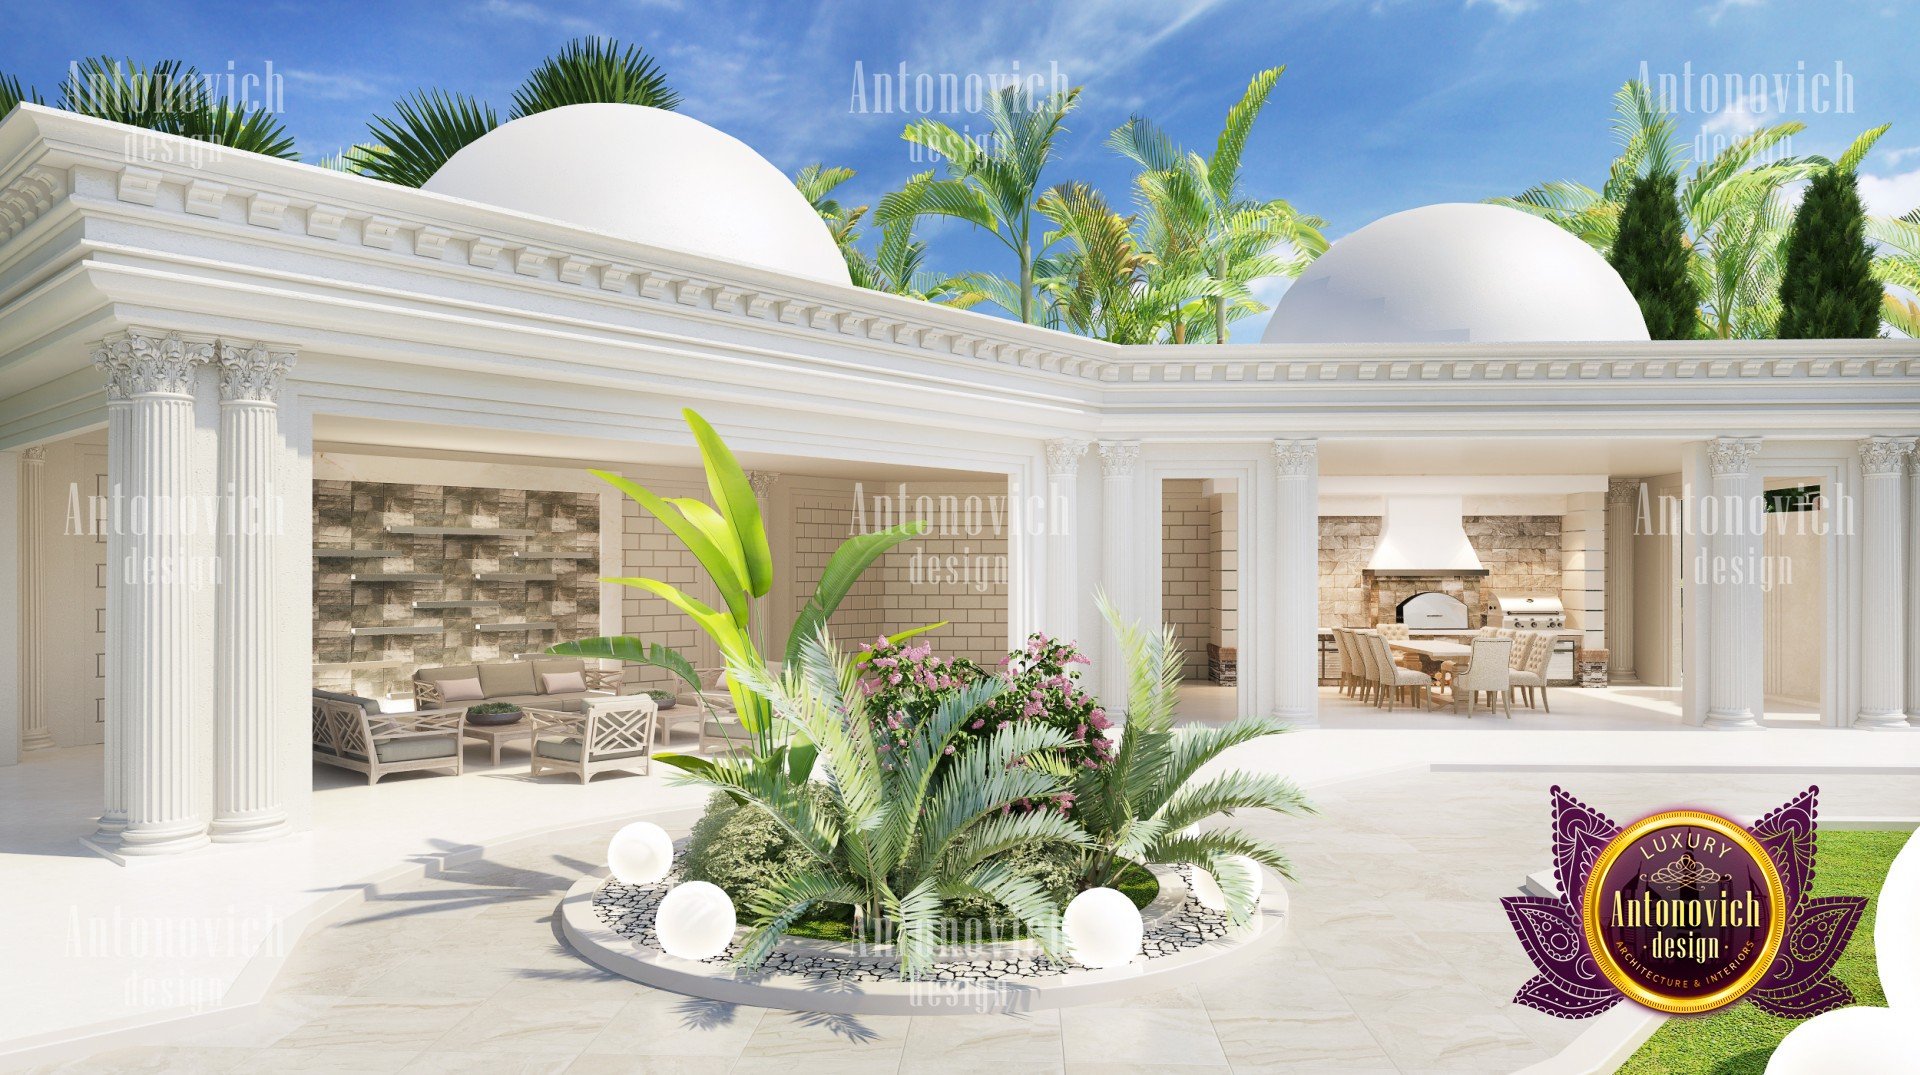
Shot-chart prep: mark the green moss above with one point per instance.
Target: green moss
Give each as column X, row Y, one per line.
column 1738, row 1040
column 836, row 923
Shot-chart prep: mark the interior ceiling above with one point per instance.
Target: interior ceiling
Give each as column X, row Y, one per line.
column 359, row 436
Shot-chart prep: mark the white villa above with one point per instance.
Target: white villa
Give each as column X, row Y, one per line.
column 269, row 428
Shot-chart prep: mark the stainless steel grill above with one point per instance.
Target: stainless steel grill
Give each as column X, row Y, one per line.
column 1535, row 612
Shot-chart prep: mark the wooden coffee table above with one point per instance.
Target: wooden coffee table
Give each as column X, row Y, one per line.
column 496, row 734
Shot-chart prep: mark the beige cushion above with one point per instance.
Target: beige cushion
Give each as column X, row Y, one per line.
column 451, row 671
column 547, row 665
column 461, row 690
column 508, row 677
column 415, row 749
column 562, row 682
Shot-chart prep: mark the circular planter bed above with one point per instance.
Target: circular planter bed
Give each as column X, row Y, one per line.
column 610, row 924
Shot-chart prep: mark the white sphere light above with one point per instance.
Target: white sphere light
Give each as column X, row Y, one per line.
column 1103, row 928
column 640, row 854
column 1206, row 887
column 1859, row 1041
column 695, row 921
column 1896, row 932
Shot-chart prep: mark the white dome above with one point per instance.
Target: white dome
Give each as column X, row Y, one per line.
column 648, row 175
column 1457, row 273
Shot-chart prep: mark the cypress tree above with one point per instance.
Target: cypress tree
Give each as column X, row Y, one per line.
column 1651, row 254
column 1827, row 291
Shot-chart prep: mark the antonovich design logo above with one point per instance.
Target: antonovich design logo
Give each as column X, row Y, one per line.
column 1684, row 911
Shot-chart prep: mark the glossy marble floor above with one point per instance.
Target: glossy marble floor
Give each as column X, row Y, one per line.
column 1400, row 961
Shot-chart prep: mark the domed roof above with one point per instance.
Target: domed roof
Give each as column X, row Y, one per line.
column 648, row 175
column 1457, row 273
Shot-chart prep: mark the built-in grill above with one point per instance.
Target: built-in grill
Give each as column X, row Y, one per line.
column 1534, row 612
column 1431, row 610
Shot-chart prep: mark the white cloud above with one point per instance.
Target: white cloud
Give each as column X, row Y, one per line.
column 1891, row 195
column 1738, row 118
column 1720, row 8
column 1509, row 8
column 334, row 87
column 1895, row 156
column 525, row 11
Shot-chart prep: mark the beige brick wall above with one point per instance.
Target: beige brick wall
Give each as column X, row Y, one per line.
column 1224, row 553
column 958, row 572
column 649, row 550
column 1522, row 555
column 1187, row 583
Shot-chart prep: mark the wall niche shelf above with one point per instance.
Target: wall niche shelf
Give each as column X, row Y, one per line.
column 514, row 628
column 514, row 576
column 459, row 531
column 536, row 554
column 395, row 576
column 408, row 629
column 422, row 606
column 355, row 554
column 341, row 666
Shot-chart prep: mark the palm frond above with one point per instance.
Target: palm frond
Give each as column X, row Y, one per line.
column 594, row 70
column 425, row 131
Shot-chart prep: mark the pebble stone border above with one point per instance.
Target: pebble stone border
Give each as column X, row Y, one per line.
column 610, row 924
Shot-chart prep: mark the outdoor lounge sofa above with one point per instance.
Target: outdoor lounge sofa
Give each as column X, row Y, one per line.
column 350, row 732
column 524, row 683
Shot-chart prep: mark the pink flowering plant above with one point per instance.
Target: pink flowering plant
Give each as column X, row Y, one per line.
column 906, row 683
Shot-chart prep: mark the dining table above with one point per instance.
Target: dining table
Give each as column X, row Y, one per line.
column 1431, row 653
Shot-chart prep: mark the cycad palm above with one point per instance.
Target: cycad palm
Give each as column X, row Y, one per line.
column 430, row 126
column 1199, row 227
column 169, row 97
column 992, row 185
column 897, row 832
column 1144, row 806
column 1735, row 212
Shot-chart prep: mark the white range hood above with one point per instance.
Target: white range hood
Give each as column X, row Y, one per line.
column 1421, row 535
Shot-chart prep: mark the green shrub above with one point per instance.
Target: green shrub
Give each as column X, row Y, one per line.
column 1054, row 867
column 739, row 848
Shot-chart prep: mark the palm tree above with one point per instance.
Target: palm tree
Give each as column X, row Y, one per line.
column 1200, row 227
column 169, row 97
column 430, row 126
column 897, row 832
column 817, row 182
column 1733, row 205
column 1147, row 804
column 991, row 182
column 1103, row 283
column 1898, row 266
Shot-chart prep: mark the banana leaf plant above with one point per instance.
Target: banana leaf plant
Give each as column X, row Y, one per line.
column 729, row 539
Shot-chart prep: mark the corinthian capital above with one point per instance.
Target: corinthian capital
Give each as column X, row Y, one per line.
column 252, row 372
column 762, row 482
column 137, row 362
column 1063, row 457
column 1119, row 457
column 1296, row 458
column 1885, row 455
column 1623, row 490
column 1729, row 456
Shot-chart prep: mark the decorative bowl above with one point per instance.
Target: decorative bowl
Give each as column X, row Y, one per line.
column 493, row 715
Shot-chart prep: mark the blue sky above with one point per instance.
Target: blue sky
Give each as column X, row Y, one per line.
column 1386, row 104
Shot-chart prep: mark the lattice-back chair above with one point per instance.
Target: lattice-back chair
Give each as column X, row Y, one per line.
column 606, row 733
column 350, row 732
column 711, row 708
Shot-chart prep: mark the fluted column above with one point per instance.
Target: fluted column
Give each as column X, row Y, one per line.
column 1913, row 590
column 1733, row 587
column 1623, row 506
column 112, row 361
column 247, row 801
column 1295, row 556
column 1883, row 552
column 164, row 761
column 34, row 734
column 1120, row 553
column 1063, row 535
column 758, row 626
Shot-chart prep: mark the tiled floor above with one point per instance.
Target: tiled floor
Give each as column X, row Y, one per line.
column 1400, row 961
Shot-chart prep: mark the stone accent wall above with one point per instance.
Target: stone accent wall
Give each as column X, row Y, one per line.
column 351, row 515
column 1187, row 577
column 1520, row 552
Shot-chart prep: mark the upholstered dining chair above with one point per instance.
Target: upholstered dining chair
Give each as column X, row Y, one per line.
column 1532, row 673
column 1398, row 632
column 1363, row 656
column 1487, row 673
column 1394, row 678
column 1352, row 673
column 606, row 734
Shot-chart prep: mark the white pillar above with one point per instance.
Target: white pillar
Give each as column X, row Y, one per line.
column 1623, row 507
column 34, row 734
column 1120, row 555
column 1062, row 619
column 113, row 755
column 247, row 802
column 1913, row 591
column 1882, row 648
column 759, row 627
column 1295, row 556
column 1733, row 586
column 165, row 762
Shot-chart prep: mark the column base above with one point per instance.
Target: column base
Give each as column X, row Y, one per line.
column 110, row 827
column 249, row 828
column 1736, row 720
column 1882, row 722
column 140, row 841
column 36, row 741
column 1298, row 718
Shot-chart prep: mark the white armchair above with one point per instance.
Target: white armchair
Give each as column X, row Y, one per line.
column 607, row 733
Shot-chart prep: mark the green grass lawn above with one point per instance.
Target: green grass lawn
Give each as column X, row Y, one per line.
column 1738, row 1040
